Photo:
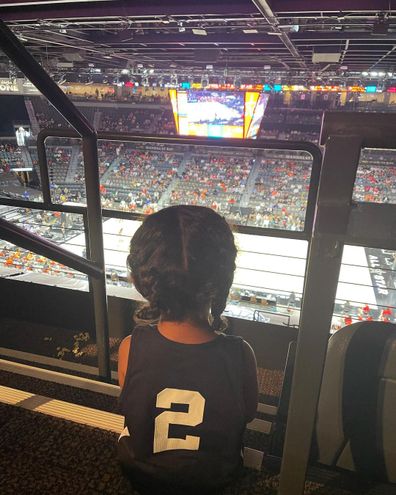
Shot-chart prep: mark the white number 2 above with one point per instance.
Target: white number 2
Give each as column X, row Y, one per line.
column 194, row 417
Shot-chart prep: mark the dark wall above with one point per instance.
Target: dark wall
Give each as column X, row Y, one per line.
column 12, row 109
column 72, row 309
column 63, row 308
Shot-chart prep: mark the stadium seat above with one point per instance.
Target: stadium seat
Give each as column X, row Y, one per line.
column 356, row 422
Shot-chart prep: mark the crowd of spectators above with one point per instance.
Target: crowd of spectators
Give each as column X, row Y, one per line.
column 128, row 120
column 58, row 163
column 10, row 156
column 140, row 179
column 217, row 181
column 376, row 177
column 280, row 194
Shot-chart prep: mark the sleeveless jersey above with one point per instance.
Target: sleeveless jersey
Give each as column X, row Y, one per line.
column 184, row 408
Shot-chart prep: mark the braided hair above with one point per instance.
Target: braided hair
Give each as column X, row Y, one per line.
column 182, row 261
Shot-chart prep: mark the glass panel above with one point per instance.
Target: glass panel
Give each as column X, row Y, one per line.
column 376, row 176
column 367, row 286
column 64, row 229
column 18, row 173
column 261, row 188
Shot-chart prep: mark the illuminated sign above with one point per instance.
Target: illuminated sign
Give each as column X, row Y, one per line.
column 9, row 86
column 356, row 89
column 371, row 89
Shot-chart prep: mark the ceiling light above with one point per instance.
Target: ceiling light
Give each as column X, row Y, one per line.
column 390, row 74
column 365, row 73
column 381, row 74
column 125, row 71
column 198, row 32
column 108, row 57
column 374, row 74
column 275, row 34
column 250, row 31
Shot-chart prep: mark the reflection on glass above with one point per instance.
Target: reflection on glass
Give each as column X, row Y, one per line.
column 64, row 229
column 18, row 176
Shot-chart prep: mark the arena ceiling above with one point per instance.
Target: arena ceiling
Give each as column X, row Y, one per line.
column 227, row 38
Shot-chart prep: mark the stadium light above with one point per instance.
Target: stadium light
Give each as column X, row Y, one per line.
column 199, row 32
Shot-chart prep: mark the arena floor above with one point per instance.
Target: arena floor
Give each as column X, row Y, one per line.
column 284, row 258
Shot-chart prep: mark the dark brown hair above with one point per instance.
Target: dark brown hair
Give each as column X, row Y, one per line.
column 182, row 260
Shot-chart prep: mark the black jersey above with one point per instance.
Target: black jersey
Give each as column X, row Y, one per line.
column 184, row 407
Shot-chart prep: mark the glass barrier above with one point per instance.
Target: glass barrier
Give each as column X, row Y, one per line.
column 19, row 176
column 259, row 188
column 367, row 286
column 268, row 282
column 64, row 229
column 376, row 176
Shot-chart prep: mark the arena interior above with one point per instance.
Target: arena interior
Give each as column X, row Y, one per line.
column 128, row 67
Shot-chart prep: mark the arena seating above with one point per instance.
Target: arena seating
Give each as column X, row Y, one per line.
column 280, row 193
column 58, row 163
column 217, row 181
column 141, row 177
column 10, row 156
column 128, row 119
column 376, row 177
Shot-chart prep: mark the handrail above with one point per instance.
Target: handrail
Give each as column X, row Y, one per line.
column 15, row 50
column 27, row 240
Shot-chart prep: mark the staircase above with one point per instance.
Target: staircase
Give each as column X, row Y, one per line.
column 112, row 166
column 26, row 158
column 250, row 184
column 32, row 117
column 97, row 119
column 74, row 163
column 164, row 199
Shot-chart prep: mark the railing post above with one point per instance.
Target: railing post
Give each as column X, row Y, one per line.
column 323, row 266
column 96, row 250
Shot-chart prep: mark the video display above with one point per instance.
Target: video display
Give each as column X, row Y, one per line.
column 220, row 114
column 257, row 116
column 211, row 113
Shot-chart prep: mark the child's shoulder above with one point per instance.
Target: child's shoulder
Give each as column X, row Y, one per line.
column 234, row 340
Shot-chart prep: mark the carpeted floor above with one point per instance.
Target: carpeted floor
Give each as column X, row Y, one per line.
column 40, row 455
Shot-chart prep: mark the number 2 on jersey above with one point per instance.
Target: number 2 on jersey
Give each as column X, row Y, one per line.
column 194, row 417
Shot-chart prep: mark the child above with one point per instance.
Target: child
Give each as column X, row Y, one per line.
column 188, row 390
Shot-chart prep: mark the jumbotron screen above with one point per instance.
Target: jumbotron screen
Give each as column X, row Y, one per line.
column 218, row 113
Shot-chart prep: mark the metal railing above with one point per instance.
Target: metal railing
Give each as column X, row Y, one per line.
column 15, row 50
